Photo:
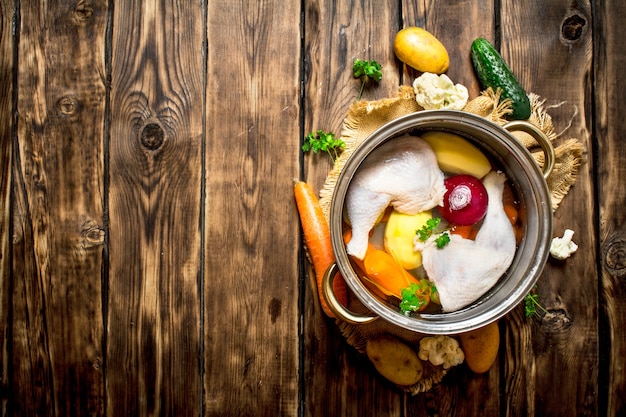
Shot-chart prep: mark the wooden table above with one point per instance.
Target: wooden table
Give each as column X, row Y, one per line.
column 151, row 260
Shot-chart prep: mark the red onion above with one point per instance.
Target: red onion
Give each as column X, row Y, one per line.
column 465, row 201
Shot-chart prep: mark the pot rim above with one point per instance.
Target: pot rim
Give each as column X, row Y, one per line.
column 489, row 307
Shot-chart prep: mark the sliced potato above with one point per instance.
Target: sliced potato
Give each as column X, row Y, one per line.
column 400, row 235
column 395, row 360
column 457, row 155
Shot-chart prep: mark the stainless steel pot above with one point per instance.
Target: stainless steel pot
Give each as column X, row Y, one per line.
column 535, row 211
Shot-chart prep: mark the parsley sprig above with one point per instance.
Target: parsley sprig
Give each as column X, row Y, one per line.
column 416, row 296
column 531, row 304
column 321, row 141
column 366, row 70
column 429, row 229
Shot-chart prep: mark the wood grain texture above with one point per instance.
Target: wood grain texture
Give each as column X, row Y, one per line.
column 336, row 34
column 555, row 63
column 7, row 66
column 155, row 209
column 461, row 393
column 456, row 25
column 609, row 64
column 57, row 329
column 151, row 261
column 251, row 287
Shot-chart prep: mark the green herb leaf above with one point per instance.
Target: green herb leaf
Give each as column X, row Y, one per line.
column 366, row 70
column 321, row 141
column 370, row 69
column 531, row 304
column 417, row 296
column 427, row 230
column 442, row 240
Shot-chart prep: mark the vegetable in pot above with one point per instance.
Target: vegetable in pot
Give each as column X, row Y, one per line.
column 399, row 236
column 465, row 201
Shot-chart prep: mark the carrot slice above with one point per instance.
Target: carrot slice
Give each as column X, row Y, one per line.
column 381, row 270
column 466, row 232
column 511, row 213
column 384, row 271
column 317, row 239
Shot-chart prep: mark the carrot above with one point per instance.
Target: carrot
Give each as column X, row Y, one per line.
column 317, row 239
column 466, row 232
column 384, row 271
column 381, row 270
column 511, row 213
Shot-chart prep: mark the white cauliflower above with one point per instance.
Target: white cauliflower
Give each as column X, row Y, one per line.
column 434, row 91
column 441, row 350
column 562, row 247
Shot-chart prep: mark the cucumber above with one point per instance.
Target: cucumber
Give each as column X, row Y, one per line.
column 493, row 72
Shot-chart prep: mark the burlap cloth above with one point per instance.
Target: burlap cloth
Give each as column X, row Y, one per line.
column 365, row 117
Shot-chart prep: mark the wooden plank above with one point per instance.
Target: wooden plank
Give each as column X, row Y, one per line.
column 338, row 380
column 6, row 156
column 449, row 23
column 609, row 62
column 57, row 326
column 154, row 349
column 461, row 393
column 559, row 353
column 251, row 317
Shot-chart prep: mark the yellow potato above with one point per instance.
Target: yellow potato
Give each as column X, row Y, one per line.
column 457, row 155
column 421, row 50
column 400, row 235
column 395, row 360
column 481, row 347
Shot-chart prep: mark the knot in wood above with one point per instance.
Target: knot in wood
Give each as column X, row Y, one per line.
column 572, row 27
column 275, row 307
column 82, row 12
column 93, row 235
column 68, row 106
column 152, row 136
column 615, row 258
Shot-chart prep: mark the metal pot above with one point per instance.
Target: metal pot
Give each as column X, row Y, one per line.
column 535, row 211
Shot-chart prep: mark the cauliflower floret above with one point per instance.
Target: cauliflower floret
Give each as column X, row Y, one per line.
column 562, row 247
column 441, row 350
column 434, row 91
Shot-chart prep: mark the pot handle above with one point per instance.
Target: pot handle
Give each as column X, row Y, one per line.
column 335, row 306
column 541, row 138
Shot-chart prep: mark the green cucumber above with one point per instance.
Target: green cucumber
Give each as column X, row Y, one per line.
column 493, row 72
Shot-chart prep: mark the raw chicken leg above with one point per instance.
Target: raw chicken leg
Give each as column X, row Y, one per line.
column 465, row 269
column 402, row 172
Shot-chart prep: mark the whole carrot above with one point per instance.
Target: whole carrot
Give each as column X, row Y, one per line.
column 317, row 239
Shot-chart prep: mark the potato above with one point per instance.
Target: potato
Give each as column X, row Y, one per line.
column 400, row 234
column 457, row 155
column 421, row 50
column 395, row 360
column 481, row 347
